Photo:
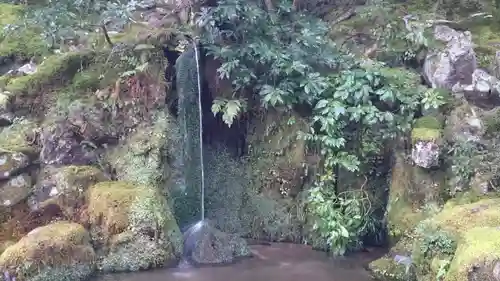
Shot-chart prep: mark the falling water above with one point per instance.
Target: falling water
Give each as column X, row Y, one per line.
column 200, row 115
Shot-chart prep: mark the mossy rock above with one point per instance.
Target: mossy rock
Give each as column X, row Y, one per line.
column 115, row 208
column 23, row 43
column 58, row 251
column 477, row 255
column 402, row 215
column 458, row 219
column 18, row 136
column 389, row 270
column 487, row 42
column 56, row 68
column 15, row 190
column 140, row 158
column 66, row 186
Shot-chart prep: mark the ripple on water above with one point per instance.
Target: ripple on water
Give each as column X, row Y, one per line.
column 277, row 262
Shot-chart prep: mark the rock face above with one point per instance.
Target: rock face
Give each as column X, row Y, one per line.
column 206, row 245
column 60, row 250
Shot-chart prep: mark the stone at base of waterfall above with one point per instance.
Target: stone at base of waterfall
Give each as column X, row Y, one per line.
column 206, row 245
column 425, row 154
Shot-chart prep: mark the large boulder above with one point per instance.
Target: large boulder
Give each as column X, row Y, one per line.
column 133, row 226
column 206, row 245
column 58, row 251
column 455, row 63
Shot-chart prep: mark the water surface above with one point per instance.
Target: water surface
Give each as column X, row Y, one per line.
column 277, row 262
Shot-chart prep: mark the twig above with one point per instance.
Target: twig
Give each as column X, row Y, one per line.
column 106, row 35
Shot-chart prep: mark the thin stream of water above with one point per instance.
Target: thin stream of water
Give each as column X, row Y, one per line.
column 202, row 168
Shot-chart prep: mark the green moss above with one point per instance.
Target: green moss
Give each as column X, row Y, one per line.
column 457, row 219
column 121, row 211
column 387, row 269
column 109, row 205
column 402, row 217
column 486, row 40
column 17, row 137
column 479, row 246
column 52, row 246
column 53, row 72
column 425, row 134
column 87, row 80
column 23, row 43
column 429, row 122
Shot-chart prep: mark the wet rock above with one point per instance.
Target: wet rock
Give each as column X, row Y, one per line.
column 65, row 186
column 455, row 64
column 11, row 163
column 134, row 219
column 464, row 123
column 425, row 154
column 62, row 145
column 484, row 90
column 204, row 244
column 58, row 251
column 15, row 190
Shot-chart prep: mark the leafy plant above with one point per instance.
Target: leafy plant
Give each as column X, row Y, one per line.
column 341, row 219
column 433, row 99
column 288, row 59
column 230, row 109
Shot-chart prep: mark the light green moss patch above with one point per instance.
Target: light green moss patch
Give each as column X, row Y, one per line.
column 429, row 122
column 23, row 43
column 487, row 41
column 479, row 246
column 57, row 246
column 17, row 137
column 53, row 72
column 425, row 134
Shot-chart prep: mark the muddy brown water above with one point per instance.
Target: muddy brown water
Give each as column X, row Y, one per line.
column 276, row 262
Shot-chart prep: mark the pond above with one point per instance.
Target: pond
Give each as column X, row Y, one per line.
column 275, row 262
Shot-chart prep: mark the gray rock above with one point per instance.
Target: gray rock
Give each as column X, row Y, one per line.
column 455, row 63
column 15, row 190
column 425, row 154
column 11, row 163
column 204, row 244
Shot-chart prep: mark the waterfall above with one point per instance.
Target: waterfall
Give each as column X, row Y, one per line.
column 188, row 81
column 200, row 115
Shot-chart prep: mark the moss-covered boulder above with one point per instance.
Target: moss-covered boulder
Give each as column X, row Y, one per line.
column 133, row 226
column 19, row 137
column 58, row 251
column 15, row 189
column 65, row 186
column 12, row 162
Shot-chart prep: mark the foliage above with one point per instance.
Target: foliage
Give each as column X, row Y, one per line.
column 341, row 219
column 465, row 158
column 59, row 21
column 433, row 99
column 229, row 109
column 288, row 59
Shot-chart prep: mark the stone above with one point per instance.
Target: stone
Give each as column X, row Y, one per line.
column 204, row 244
column 65, row 186
column 484, row 90
column 15, row 190
column 58, row 251
column 12, row 163
column 425, row 154
column 133, row 219
column 464, row 123
column 61, row 145
column 455, row 63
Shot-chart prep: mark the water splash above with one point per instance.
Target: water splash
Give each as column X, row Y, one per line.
column 200, row 113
